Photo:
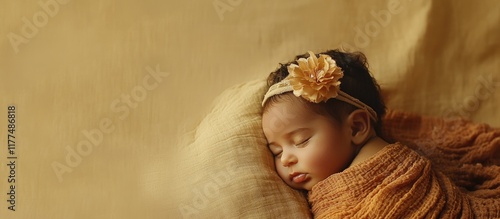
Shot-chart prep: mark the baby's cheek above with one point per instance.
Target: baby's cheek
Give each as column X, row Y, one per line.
column 318, row 158
column 324, row 164
column 320, row 165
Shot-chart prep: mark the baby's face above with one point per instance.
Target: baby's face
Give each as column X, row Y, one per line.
column 307, row 147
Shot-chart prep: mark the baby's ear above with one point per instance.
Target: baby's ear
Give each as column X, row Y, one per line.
column 361, row 126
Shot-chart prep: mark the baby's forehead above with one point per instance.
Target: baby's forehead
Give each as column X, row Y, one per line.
column 280, row 115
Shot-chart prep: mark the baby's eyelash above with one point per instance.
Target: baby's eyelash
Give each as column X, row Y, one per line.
column 278, row 155
column 303, row 143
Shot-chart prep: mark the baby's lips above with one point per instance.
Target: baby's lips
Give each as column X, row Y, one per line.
column 298, row 177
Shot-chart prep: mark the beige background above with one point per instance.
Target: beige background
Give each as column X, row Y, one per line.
column 79, row 62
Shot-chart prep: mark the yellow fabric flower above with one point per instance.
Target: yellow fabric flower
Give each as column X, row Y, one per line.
column 315, row 79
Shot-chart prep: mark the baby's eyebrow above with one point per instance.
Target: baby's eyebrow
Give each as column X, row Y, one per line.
column 295, row 131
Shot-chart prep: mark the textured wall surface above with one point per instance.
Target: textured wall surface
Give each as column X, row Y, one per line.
column 104, row 91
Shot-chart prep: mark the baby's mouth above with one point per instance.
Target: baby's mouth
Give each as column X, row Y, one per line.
column 298, row 177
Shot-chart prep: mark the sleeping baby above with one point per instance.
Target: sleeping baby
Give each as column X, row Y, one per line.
column 322, row 118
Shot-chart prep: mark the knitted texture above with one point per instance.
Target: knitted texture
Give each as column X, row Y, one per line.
column 442, row 168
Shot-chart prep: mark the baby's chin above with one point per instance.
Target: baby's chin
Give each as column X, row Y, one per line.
column 307, row 186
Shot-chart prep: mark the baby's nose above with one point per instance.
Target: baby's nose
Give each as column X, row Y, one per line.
column 288, row 159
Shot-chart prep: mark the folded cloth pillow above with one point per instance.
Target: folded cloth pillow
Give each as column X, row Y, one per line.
column 228, row 171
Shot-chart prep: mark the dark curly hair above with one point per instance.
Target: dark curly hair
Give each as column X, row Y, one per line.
column 357, row 82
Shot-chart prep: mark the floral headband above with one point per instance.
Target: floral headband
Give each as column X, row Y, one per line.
column 316, row 80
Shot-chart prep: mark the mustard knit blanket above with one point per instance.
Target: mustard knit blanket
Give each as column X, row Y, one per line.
column 439, row 169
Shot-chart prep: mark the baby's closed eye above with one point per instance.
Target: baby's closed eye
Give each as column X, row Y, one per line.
column 275, row 150
column 303, row 142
